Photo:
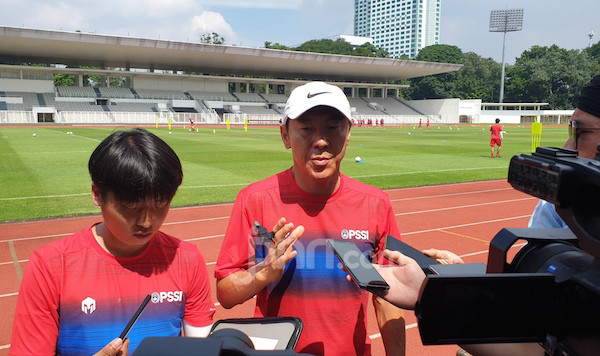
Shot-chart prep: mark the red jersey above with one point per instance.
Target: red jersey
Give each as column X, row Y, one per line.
column 75, row 297
column 313, row 286
column 495, row 130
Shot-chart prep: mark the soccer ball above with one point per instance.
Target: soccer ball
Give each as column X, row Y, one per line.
column 357, row 159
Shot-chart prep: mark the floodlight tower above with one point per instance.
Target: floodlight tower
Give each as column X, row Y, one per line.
column 591, row 35
column 509, row 20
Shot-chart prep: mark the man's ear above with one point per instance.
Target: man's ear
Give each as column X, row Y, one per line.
column 348, row 136
column 285, row 137
column 96, row 198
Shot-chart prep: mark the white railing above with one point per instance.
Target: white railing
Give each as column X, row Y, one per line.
column 151, row 118
column 392, row 120
column 395, row 120
column 140, row 118
column 253, row 119
column 17, row 117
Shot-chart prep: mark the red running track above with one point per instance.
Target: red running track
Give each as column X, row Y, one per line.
column 462, row 218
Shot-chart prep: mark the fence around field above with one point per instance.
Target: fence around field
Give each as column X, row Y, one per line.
column 151, row 118
column 108, row 118
column 389, row 120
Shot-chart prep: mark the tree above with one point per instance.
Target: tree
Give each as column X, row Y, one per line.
column 212, row 38
column 369, row 50
column 339, row 46
column 276, row 46
column 549, row 74
column 478, row 79
column 437, row 86
column 440, row 53
column 64, row 80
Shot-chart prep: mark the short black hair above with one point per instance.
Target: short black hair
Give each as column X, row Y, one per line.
column 135, row 165
column 497, row 120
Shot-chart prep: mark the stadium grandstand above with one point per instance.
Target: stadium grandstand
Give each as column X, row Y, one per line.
column 159, row 80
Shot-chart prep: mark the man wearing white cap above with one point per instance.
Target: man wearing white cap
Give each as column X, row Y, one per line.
column 296, row 274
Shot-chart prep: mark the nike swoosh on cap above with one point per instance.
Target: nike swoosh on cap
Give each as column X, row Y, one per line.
column 310, row 95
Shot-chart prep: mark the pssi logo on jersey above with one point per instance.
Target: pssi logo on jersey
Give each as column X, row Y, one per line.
column 355, row 234
column 88, row 305
column 169, row 297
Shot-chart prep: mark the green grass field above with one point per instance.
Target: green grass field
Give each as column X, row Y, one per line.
column 46, row 175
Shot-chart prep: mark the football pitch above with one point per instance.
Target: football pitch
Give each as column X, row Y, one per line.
column 45, row 175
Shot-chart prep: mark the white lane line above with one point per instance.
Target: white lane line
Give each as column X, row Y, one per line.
column 464, row 206
column 451, row 194
column 245, row 184
column 469, row 224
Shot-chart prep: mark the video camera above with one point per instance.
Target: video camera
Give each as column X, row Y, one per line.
column 550, row 292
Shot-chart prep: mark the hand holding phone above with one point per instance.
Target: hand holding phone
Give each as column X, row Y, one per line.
column 423, row 260
column 359, row 268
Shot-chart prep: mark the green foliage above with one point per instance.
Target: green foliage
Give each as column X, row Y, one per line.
column 437, row 86
column 594, row 51
column 64, row 80
column 369, row 50
column 478, row 79
column 549, row 74
column 440, row 53
column 46, row 175
column 542, row 74
column 276, row 46
column 212, row 38
column 339, row 46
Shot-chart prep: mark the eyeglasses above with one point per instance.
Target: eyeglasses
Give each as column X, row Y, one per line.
column 573, row 127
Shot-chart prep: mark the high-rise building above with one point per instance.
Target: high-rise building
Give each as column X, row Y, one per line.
column 398, row 26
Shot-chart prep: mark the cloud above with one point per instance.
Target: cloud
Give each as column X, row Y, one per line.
column 155, row 9
column 208, row 22
column 255, row 4
column 58, row 15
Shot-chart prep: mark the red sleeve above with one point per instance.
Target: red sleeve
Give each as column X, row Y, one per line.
column 199, row 307
column 35, row 328
column 237, row 250
column 390, row 228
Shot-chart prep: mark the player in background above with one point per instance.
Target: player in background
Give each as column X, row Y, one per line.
column 496, row 139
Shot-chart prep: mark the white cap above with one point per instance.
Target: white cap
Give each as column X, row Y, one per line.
column 313, row 94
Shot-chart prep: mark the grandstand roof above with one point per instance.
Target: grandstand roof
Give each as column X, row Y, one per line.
column 19, row 45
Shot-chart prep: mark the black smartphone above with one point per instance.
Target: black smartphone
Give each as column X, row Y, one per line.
column 135, row 317
column 424, row 261
column 358, row 266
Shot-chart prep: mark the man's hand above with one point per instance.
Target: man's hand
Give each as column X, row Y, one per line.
column 240, row 286
column 405, row 280
column 281, row 249
column 443, row 257
column 115, row 348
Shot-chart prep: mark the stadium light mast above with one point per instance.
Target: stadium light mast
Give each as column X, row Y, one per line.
column 509, row 20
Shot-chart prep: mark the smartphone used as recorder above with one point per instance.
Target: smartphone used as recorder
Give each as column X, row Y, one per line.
column 359, row 268
column 424, row 261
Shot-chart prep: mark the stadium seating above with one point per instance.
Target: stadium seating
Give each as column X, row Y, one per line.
column 211, row 95
column 249, row 97
column 261, row 110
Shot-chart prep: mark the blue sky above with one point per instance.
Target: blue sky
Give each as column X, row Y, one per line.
column 291, row 22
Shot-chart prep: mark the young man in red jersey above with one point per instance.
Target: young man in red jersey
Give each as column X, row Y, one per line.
column 496, row 140
column 78, row 293
column 297, row 274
